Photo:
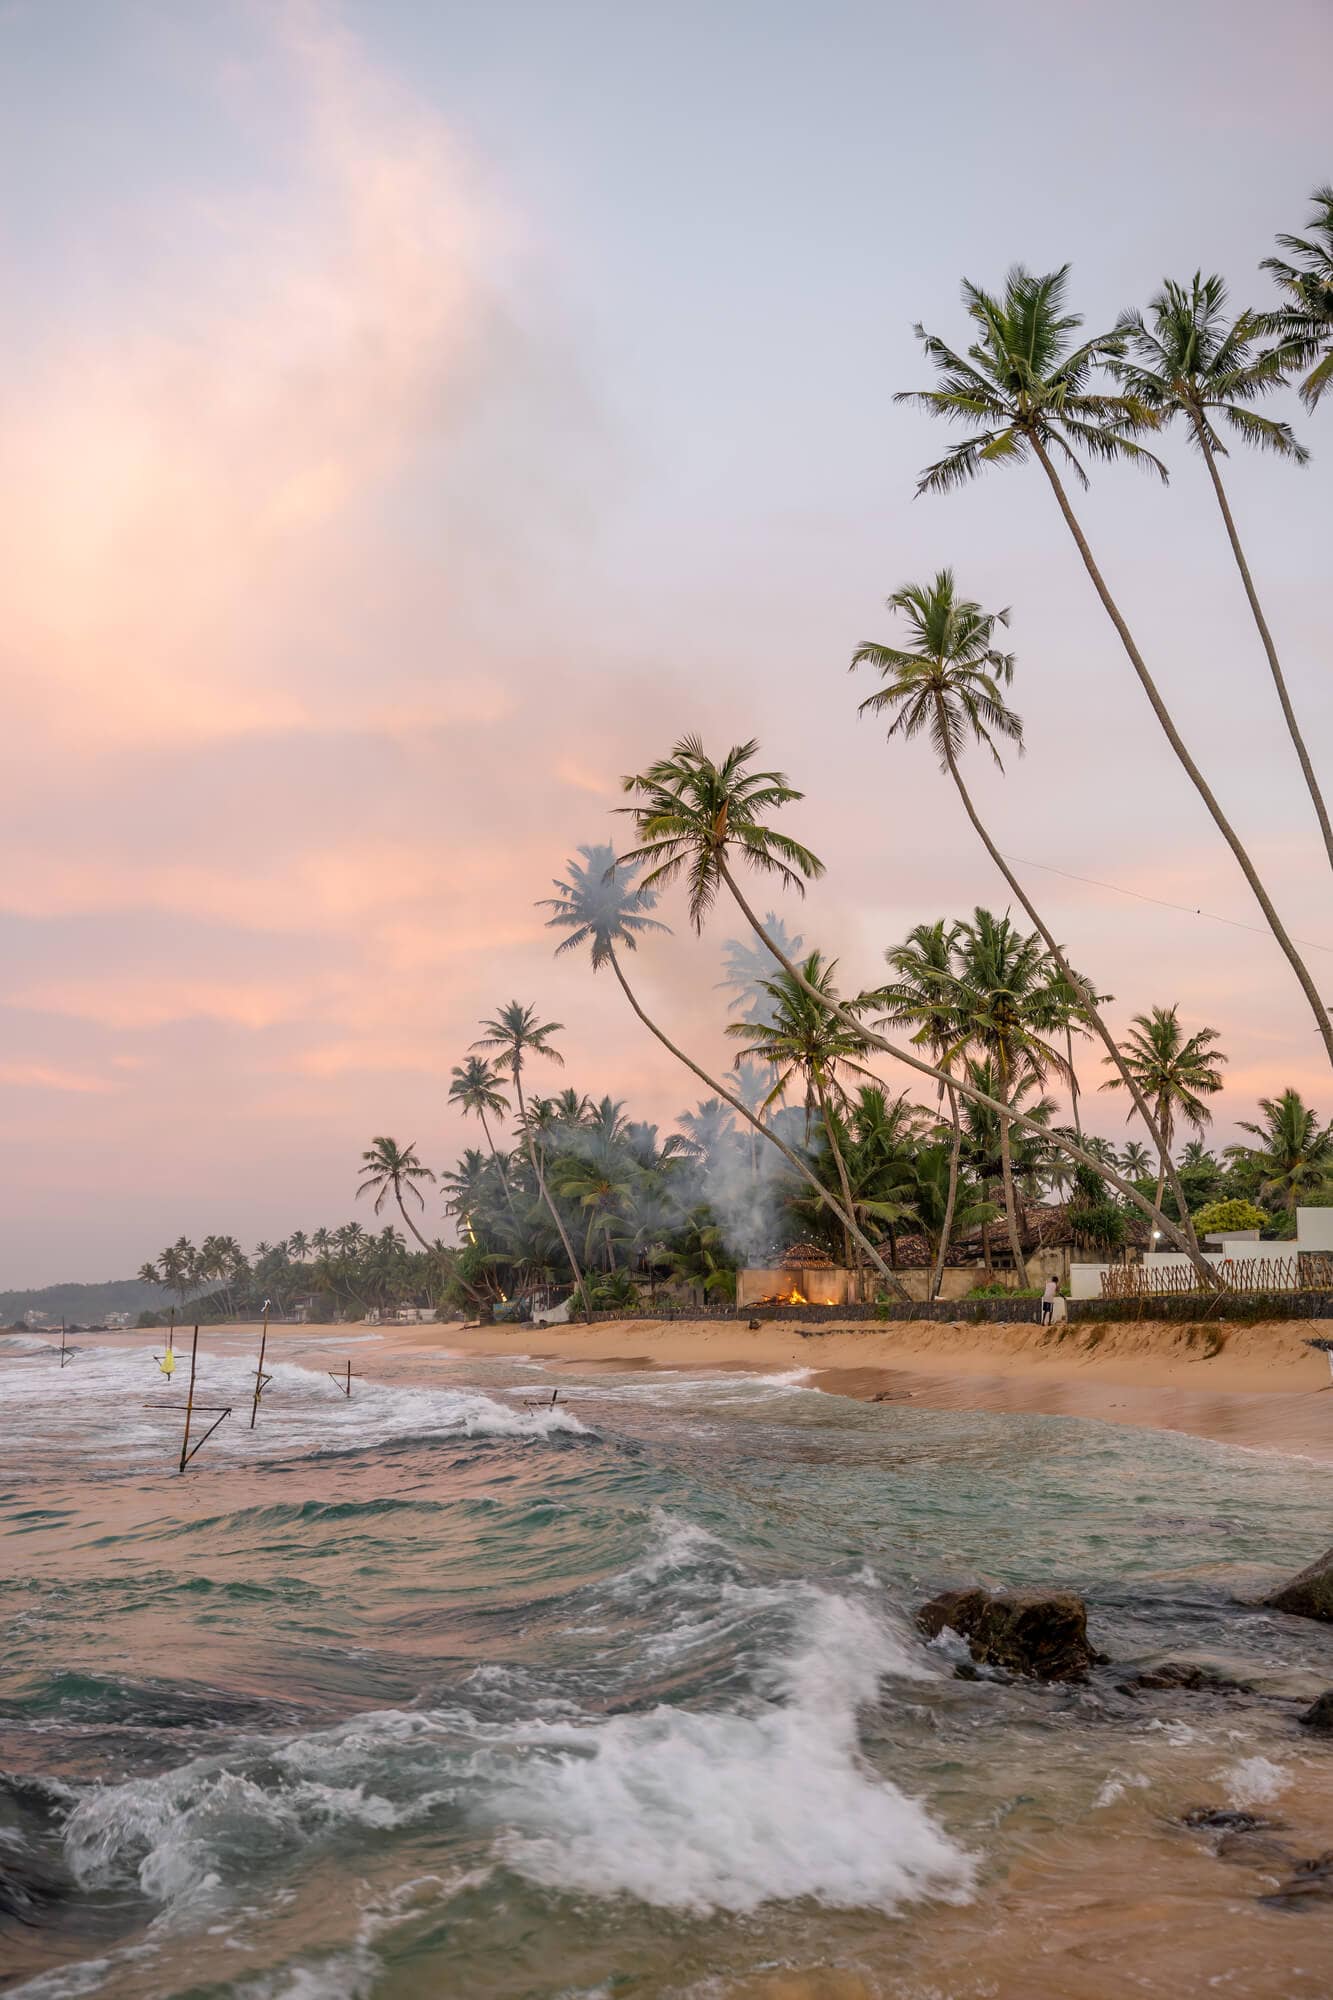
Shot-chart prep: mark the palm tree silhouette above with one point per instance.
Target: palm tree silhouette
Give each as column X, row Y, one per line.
column 601, row 906
column 1294, row 1155
column 1189, row 360
column 475, row 1089
column 1174, row 1070
column 949, row 684
column 920, row 997
column 1024, row 390
column 516, row 1034
column 390, row 1169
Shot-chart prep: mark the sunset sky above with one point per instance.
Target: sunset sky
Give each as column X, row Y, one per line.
column 416, row 415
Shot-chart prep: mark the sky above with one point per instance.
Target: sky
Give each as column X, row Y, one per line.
column 412, row 417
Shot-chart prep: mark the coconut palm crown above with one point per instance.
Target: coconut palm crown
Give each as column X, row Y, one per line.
column 600, row 905
column 949, row 680
column 690, row 811
column 1305, row 275
column 1025, row 385
column 1189, row 358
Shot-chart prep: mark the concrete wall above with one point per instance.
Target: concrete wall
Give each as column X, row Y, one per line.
column 1314, row 1229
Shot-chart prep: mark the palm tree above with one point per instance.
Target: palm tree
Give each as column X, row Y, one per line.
column 749, row 965
column 1001, row 993
column 1306, row 277
column 475, row 1089
column 1136, row 1160
column 1024, row 390
column 949, row 683
column 707, row 1131
column 299, row 1245
column 801, row 1037
column 600, row 905
column 516, row 1034
column 390, row 1169
column 1195, row 363
column 1294, row 1156
column 1174, row 1070
column 988, row 1132
column 920, row 997
column 694, row 813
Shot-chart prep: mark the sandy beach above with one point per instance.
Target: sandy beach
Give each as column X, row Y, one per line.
column 1258, row 1386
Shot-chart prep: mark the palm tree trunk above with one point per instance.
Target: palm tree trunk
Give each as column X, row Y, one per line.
column 969, row 1091
column 1073, row 1080
column 1007, row 1178
column 951, row 1199
column 1289, row 713
column 581, row 1288
column 408, row 1220
column 1191, row 1243
column 793, row 1160
column 840, row 1164
column 1196, row 777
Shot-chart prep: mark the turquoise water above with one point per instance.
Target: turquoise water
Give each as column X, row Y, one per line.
column 434, row 1692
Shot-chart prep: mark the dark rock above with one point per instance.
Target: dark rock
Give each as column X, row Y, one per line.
column 1311, row 1883
column 1183, row 1674
column 1309, row 1595
column 1320, row 1715
column 1042, row 1634
column 1222, row 1819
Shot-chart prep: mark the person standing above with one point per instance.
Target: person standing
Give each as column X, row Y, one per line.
column 1048, row 1299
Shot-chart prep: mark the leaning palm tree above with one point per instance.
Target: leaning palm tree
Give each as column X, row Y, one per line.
column 1023, row 389
column 1190, row 360
column 1306, row 278
column 949, row 683
column 390, row 1169
column 599, row 904
column 1294, row 1156
column 695, row 816
column 516, row 1034
column 919, row 996
column 1174, row 1070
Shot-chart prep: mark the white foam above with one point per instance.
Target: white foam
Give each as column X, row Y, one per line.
column 303, row 1408
column 1253, row 1781
column 703, row 1811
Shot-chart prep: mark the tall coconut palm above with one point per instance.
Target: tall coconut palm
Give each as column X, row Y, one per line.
column 1174, row 1071
column 1001, row 989
column 949, row 683
column 802, row 1038
column 1190, row 360
column 1136, row 1160
column 516, row 1034
column 920, row 996
column 1023, row 389
column 600, row 905
column 390, row 1169
column 1305, row 275
column 475, row 1088
column 694, row 816
column 1294, row 1156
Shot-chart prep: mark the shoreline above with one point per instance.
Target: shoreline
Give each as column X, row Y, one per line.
column 1262, row 1388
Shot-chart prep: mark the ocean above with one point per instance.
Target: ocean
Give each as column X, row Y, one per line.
column 433, row 1691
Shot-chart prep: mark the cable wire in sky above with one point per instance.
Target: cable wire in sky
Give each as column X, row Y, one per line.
column 1185, row 910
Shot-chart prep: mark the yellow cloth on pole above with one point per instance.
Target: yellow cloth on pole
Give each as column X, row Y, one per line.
column 167, row 1363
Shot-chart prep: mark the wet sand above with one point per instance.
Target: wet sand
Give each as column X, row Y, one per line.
column 1256, row 1386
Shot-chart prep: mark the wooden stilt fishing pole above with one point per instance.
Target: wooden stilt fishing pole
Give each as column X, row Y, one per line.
column 345, row 1387
column 261, row 1379
column 191, row 1406
column 64, row 1351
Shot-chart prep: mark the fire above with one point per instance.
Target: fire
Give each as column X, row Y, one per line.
column 793, row 1298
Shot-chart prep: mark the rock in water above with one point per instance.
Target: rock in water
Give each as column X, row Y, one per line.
column 1320, row 1715
column 1309, row 1595
column 1040, row 1633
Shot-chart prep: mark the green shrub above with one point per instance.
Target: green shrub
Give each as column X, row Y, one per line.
column 1219, row 1217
